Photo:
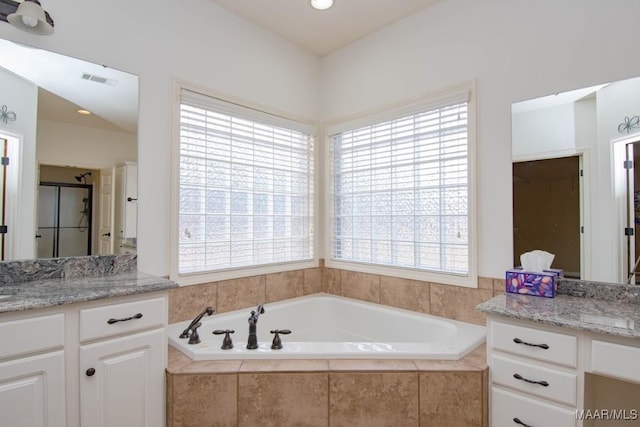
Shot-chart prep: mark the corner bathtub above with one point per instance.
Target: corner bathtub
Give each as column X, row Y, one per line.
column 331, row 327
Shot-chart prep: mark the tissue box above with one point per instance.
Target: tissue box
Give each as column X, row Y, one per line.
column 523, row 282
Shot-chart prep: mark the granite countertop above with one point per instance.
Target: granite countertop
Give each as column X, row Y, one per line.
column 586, row 306
column 26, row 285
column 52, row 292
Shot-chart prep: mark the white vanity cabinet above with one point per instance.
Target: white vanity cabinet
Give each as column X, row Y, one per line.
column 89, row 364
column 32, row 371
column 122, row 359
column 533, row 375
column 539, row 375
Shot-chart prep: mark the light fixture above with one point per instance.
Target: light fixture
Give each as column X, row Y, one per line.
column 30, row 17
column 83, row 112
column 321, row 4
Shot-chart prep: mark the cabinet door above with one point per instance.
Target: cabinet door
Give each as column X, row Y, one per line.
column 32, row 391
column 122, row 381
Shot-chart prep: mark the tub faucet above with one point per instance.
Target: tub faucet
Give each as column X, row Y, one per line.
column 190, row 329
column 252, row 342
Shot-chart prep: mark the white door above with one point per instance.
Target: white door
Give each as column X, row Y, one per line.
column 106, row 209
column 630, row 226
column 122, row 381
column 32, row 391
column 119, row 195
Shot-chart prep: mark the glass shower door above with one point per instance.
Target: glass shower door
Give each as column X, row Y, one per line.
column 47, row 220
column 64, row 220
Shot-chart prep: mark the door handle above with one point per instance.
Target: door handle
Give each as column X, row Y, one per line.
column 107, row 234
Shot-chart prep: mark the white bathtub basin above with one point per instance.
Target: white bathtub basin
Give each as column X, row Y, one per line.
column 330, row 327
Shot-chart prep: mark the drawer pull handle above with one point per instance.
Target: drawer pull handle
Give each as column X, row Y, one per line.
column 519, row 341
column 90, row 372
column 112, row 321
column 517, row 421
column 521, row 378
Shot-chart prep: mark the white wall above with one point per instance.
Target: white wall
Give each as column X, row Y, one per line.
column 21, row 97
column 516, row 50
column 65, row 144
column 195, row 41
column 542, row 131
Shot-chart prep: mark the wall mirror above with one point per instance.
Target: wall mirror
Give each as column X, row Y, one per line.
column 69, row 131
column 574, row 180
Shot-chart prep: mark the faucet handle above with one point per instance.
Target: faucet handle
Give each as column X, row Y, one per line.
column 277, row 342
column 194, row 338
column 227, row 344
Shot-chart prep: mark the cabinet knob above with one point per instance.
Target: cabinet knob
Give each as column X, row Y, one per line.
column 90, row 372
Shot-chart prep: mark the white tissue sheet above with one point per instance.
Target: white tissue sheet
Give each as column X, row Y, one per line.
column 536, row 261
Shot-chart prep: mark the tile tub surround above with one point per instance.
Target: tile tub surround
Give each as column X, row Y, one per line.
column 452, row 302
column 71, row 280
column 327, row 392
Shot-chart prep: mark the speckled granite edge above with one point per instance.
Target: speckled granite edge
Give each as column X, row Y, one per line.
column 587, row 314
column 629, row 294
column 61, row 268
column 54, row 292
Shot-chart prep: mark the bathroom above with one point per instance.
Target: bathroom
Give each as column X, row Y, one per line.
column 513, row 51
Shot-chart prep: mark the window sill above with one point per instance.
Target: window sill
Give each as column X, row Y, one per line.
column 208, row 277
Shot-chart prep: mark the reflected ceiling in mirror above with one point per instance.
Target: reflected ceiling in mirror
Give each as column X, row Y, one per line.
column 583, row 124
column 52, row 144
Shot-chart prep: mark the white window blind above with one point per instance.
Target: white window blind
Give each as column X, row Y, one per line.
column 401, row 188
column 245, row 187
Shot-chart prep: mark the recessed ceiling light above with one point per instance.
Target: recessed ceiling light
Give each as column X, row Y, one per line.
column 83, row 112
column 321, row 4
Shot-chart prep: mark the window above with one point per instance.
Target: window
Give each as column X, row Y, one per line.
column 245, row 187
column 401, row 193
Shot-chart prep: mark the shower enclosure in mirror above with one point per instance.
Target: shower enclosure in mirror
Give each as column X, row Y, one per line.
column 74, row 133
column 574, row 180
column 64, row 220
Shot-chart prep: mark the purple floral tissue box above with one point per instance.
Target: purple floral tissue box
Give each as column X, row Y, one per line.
column 529, row 283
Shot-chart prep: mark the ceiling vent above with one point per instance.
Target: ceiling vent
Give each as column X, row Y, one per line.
column 99, row 79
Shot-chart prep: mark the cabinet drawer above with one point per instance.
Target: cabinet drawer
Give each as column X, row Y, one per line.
column 122, row 318
column 30, row 335
column 507, row 408
column 615, row 360
column 549, row 383
column 535, row 343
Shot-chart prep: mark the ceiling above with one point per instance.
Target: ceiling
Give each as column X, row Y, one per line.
column 114, row 107
column 62, row 88
column 561, row 98
column 322, row 32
